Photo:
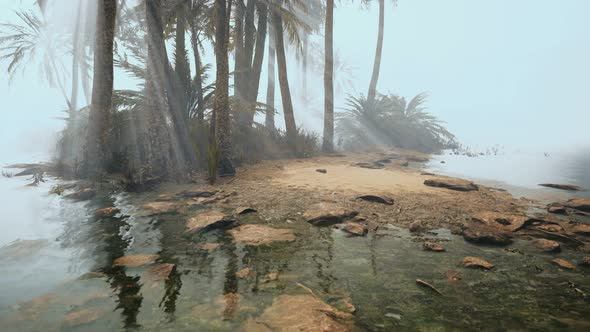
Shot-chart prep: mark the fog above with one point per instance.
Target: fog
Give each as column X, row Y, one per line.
column 506, row 73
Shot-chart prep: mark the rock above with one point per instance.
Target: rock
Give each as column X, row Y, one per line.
column 581, row 204
column 563, row 264
column 165, row 198
column 370, row 165
column 582, row 229
column 154, row 208
column 301, row 313
column 273, row 276
column 384, row 161
column 244, row 273
column 452, row 184
column 255, row 235
column 81, row 317
column 505, row 221
column 415, row 227
column 547, row 245
column 483, row 234
column 326, row 214
column 403, row 163
column 107, row 212
column 208, row 220
column 321, row 170
column 478, row 263
column 161, row 272
column 195, row 193
column 427, row 173
column 427, row 285
column 135, row 260
column 417, row 159
column 453, row 276
column 585, row 261
column 443, row 162
column 82, row 195
column 556, row 208
column 92, row 275
column 568, row 187
column 355, row 228
column 377, row 199
column 210, row 247
column 431, row 246
column 244, row 210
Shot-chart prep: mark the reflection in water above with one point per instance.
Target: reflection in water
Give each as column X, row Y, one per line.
column 323, row 260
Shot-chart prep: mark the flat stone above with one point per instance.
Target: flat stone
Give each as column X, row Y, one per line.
column 547, row 245
column 135, row 260
column 255, row 235
column 160, row 208
column 477, row 263
column 208, row 220
column 82, row 195
column 374, row 165
column 431, row 246
column 273, row 276
column 382, row 199
column 209, row 247
column 195, row 193
column 581, row 204
column 81, row 317
column 301, row 313
column 92, row 275
column 581, row 229
column 452, row 184
column 327, row 214
column 556, row 208
column 483, row 234
column 418, row 159
column 569, row 187
column 563, row 264
column 511, row 222
column 355, row 228
column 107, row 212
column 160, row 272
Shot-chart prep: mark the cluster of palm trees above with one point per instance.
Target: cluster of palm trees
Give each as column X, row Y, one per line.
column 162, row 124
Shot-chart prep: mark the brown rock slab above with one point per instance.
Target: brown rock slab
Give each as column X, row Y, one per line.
column 556, row 208
column 244, row 210
column 355, row 228
column 210, row 247
column 581, row 204
column 381, row 199
column 581, row 229
column 244, row 273
column 255, row 235
column 207, row 220
column 452, row 184
column 82, row 195
column 511, row 222
column 417, row 159
column 161, row 271
column 107, row 212
column 569, row 187
column 483, row 234
column 431, row 246
column 302, row 313
column 135, row 260
column 160, row 208
column 81, row 317
column 547, row 245
column 327, row 214
column 374, row 165
column 477, row 263
column 563, row 264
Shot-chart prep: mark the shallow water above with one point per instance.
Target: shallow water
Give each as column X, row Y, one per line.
column 377, row 273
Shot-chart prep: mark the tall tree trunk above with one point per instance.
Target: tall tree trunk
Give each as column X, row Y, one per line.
column 77, row 48
column 97, row 150
column 270, row 85
column 255, row 72
column 284, row 80
column 328, row 144
column 378, row 52
column 181, row 65
column 221, row 103
column 198, row 81
column 240, row 52
column 305, row 40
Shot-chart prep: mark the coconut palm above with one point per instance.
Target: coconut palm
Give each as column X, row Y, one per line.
column 378, row 51
column 328, row 141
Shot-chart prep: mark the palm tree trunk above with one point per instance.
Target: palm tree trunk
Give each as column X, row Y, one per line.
column 221, row 103
column 181, row 65
column 284, row 80
column 198, row 81
column 240, row 53
column 377, row 65
column 96, row 152
column 77, row 48
column 270, row 86
column 328, row 144
column 256, row 70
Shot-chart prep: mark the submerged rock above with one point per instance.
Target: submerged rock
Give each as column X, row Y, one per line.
column 107, row 212
column 245, row 210
column 569, row 187
column 483, row 234
column 556, row 208
column 547, row 245
column 477, row 263
column 207, row 220
column 585, row 261
column 244, row 273
column 154, row 208
column 209, row 247
column 415, row 227
column 135, row 260
column 161, row 271
column 581, row 204
column 382, row 199
column 255, row 235
column 452, row 184
column 582, row 229
column 431, row 246
column 81, row 317
column 563, row 264
column 301, row 313
column 511, row 222
column 327, row 214
column 82, row 195
column 355, row 228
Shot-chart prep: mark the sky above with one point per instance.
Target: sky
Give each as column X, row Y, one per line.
column 502, row 72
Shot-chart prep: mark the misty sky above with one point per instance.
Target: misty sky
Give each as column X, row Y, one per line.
column 514, row 73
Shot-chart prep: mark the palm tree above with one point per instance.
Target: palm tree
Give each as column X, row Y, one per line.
column 328, row 142
column 378, row 52
column 270, row 88
column 97, row 152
